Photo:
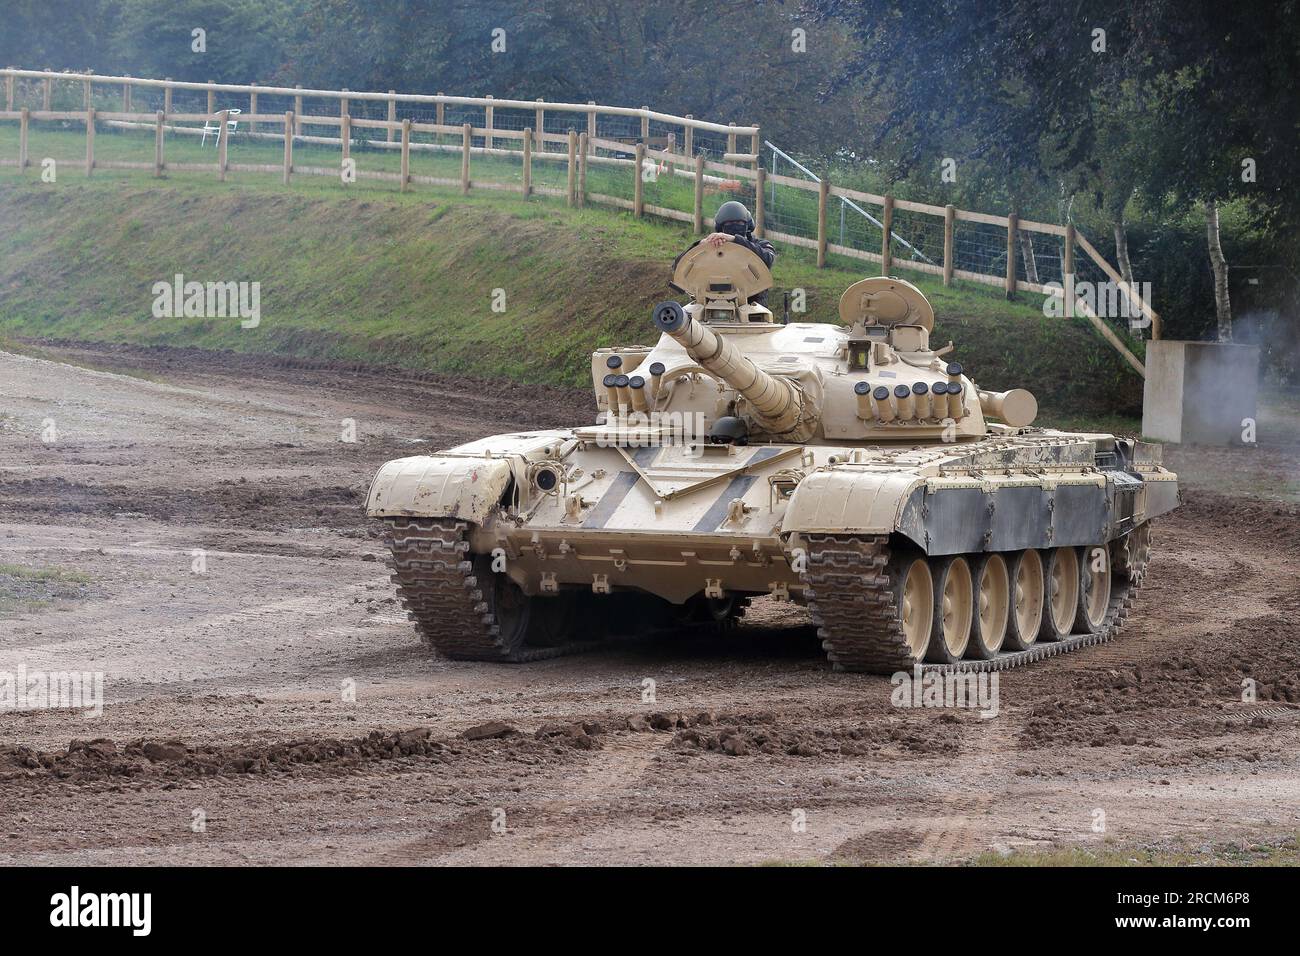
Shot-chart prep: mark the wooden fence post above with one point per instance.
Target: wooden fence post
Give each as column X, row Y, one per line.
column 1012, row 222
column 467, row 139
column 86, row 98
column 699, row 193
column 406, row 157
column 345, row 136
column 645, row 123
column 688, row 137
column 90, row 141
column 126, row 95
column 591, row 119
column 823, row 193
column 212, row 97
column 760, row 184
column 47, row 90
column 638, row 185
column 583, row 146
column 252, row 108
column 223, row 140
column 731, row 138
column 344, row 110
column 392, row 114
column 167, row 96
column 573, row 167
column 440, row 112
column 540, row 127
column 488, row 124
column 158, row 144
column 757, row 148
column 9, row 93
column 528, row 162
column 289, row 123
column 24, row 121
column 887, row 237
column 297, row 111
column 1067, row 270
column 949, row 221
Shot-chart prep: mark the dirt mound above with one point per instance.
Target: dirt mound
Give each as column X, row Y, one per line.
column 265, row 505
column 174, row 759
column 1273, row 523
column 539, row 406
column 767, row 732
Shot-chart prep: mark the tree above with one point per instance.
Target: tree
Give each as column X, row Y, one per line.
column 60, row 34
column 1050, row 89
column 242, row 40
column 725, row 62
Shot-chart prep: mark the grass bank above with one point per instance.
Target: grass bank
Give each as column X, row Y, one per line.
column 368, row 274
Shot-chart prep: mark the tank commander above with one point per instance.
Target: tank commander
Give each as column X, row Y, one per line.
column 733, row 223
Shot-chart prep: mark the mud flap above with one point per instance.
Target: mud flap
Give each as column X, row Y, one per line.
column 438, row 487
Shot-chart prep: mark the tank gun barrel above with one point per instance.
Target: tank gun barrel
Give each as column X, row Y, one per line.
column 778, row 402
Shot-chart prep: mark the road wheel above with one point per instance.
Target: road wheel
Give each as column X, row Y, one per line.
column 552, row 619
column 1132, row 552
column 916, row 605
column 992, row 606
column 726, row 611
column 1062, row 575
column 953, row 609
column 511, row 609
column 1094, row 589
column 1025, row 621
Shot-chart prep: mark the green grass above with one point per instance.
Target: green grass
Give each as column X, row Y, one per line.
column 65, row 142
column 1270, row 851
column 366, row 273
column 24, row 590
column 43, row 574
column 1283, row 851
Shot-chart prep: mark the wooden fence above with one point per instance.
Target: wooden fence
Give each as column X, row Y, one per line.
column 574, row 150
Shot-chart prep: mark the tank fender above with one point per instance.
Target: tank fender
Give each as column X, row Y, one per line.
column 851, row 500
column 438, row 487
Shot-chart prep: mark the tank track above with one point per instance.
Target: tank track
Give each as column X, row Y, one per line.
column 849, row 587
column 440, row 590
column 851, row 597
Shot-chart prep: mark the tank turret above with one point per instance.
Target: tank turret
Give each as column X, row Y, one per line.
column 874, row 377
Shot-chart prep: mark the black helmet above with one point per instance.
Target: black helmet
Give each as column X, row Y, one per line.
column 729, row 430
column 733, row 218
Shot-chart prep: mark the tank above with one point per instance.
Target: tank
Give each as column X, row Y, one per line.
column 853, row 468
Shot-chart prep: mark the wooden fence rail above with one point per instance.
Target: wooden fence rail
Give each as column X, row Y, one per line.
column 575, row 152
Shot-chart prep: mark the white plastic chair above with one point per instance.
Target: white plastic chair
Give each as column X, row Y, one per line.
column 215, row 129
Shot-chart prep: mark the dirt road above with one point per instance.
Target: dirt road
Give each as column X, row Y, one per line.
column 191, row 528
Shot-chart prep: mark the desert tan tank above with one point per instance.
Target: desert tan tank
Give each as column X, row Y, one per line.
column 853, row 468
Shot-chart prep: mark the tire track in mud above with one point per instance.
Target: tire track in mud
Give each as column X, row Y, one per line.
column 961, row 829
column 591, row 795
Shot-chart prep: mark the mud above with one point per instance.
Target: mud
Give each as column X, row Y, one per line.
column 203, row 519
